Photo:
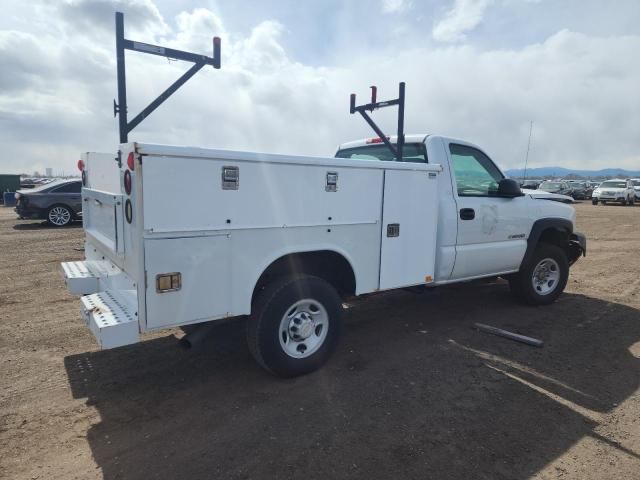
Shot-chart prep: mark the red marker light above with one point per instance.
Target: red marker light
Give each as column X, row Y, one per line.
column 80, row 165
column 376, row 140
column 130, row 162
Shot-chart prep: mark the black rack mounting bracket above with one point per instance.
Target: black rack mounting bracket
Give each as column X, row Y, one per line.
column 122, row 44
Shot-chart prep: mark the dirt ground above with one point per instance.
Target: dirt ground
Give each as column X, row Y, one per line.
column 413, row 392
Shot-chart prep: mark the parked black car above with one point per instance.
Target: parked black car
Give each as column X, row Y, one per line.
column 530, row 184
column 59, row 202
column 581, row 190
column 563, row 188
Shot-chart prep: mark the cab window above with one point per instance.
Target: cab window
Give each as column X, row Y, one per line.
column 411, row 152
column 476, row 175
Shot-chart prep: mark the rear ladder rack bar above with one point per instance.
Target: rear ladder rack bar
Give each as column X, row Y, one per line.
column 122, row 44
column 362, row 110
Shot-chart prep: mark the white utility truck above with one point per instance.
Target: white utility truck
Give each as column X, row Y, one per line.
column 178, row 236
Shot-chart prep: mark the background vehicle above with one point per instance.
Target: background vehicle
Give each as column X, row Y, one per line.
column 560, row 187
column 636, row 187
column 531, row 184
column 282, row 239
column 581, row 190
column 58, row 202
column 618, row 191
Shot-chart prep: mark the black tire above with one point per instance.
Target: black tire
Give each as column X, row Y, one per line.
column 624, row 203
column 59, row 215
column 522, row 284
column 268, row 311
column 594, row 202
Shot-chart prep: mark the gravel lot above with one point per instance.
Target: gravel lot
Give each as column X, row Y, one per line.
column 413, row 391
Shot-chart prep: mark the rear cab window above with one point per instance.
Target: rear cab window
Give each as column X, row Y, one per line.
column 411, row 152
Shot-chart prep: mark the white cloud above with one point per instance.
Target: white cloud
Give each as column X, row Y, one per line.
column 395, row 6
column 580, row 90
column 464, row 16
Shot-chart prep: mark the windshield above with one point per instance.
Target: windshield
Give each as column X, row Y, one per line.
column 612, row 184
column 411, row 152
column 636, row 183
column 550, row 186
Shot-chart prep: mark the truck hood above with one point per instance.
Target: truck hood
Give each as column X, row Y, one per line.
column 541, row 194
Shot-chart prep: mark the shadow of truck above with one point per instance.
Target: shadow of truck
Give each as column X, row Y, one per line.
column 413, row 392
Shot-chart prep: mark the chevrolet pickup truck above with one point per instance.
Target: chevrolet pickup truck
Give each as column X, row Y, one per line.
column 186, row 237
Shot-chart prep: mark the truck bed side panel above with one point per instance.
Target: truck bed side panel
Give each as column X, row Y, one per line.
column 204, row 264
column 409, row 228
column 274, row 210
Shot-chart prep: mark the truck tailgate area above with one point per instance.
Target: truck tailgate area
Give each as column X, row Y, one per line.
column 111, row 316
column 109, row 305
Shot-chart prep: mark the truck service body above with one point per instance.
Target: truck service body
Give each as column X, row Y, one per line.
column 177, row 236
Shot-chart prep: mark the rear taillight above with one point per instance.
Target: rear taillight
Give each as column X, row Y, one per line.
column 81, row 165
column 127, row 182
column 130, row 162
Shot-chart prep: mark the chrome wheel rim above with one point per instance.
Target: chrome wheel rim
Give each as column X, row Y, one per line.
column 546, row 276
column 59, row 216
column 303, row 328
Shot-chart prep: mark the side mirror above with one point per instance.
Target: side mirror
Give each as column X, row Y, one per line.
column 509, row 188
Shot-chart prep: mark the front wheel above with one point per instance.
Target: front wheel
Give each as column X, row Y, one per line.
column 59, row 216
column 295, row 325
column 542, row 279
column 594, row 202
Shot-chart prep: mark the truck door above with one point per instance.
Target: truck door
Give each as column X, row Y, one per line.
column 492, row 231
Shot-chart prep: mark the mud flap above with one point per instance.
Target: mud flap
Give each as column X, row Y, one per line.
column 577, row 247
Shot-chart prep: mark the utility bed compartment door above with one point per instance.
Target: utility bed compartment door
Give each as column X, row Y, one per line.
column 409, row 223
column 204, row 265
column 102, row 218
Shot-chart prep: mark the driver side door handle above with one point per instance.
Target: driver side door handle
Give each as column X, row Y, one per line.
column 467, row 214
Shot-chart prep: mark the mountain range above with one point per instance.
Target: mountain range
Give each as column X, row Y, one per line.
column 562, row 172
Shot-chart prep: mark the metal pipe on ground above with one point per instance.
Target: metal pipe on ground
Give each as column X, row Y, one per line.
column 534, row 342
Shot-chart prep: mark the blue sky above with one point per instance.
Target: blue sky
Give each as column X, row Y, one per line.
column 475, row 69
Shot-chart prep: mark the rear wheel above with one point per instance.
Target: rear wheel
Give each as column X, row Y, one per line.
column 543, row 278
column 59, row 216
column 295, row 325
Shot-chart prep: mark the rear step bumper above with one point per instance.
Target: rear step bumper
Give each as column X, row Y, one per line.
column 111, row 316
column 109, row 304
column 84, row 277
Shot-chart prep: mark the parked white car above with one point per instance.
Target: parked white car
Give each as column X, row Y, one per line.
column 636, row 187
column 615, row 191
